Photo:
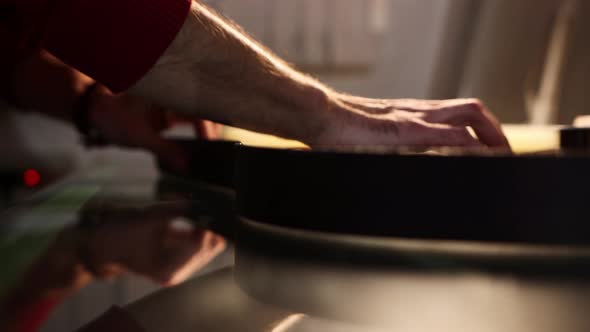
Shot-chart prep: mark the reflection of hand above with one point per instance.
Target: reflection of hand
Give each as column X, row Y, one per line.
column 132, row 122
column 362, row 121
column 154, row 242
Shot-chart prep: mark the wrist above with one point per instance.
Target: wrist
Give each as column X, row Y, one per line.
column 333, row 117
column 83, row 117
column 348, row 122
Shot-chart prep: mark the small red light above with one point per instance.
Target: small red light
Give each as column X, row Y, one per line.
column 31, row 178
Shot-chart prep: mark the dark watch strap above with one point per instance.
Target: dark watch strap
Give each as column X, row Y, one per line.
column 91, row 137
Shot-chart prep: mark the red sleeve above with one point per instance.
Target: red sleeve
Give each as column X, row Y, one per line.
column 115, row 42
column 32, row 320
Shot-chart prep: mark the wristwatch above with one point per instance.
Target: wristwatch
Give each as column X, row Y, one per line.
column 90, row 135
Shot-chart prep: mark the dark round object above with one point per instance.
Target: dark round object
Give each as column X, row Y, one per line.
column 516, row 199
column 209, row 161
column 575, row 139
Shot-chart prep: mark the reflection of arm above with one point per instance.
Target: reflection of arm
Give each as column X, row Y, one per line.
column 53, row 276
column 168, row 253
column 213, row 303
column 44, row 84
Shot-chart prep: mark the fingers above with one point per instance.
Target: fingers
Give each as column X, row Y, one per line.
column 437, row 122
column 473, row 114
column 441, row 135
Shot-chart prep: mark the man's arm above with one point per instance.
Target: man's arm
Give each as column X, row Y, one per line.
column 42, row 83
column 216, row 71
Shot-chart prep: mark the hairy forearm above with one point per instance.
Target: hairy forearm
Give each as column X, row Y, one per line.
column 217, row 72
column 44, row 84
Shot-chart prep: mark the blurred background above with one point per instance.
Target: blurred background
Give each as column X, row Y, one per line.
column 527, row 60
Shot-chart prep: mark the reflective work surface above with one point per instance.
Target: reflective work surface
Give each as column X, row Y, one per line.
column 98, row 225
column 111, row 220
column 409, row 285
column 114, row 219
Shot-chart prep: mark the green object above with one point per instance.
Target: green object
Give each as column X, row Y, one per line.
column 29, row 233
column 18, row 255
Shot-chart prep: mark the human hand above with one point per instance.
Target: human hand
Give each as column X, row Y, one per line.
column 412, row 123
column 132, row 122
column 153, row 241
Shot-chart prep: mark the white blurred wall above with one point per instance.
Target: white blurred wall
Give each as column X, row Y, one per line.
column 511, row 52
column 397, row 41
column 497, row 50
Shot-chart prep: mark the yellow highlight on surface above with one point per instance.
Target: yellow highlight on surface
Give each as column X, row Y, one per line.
column 523, row 138
column 259, row 140
column 530, row 139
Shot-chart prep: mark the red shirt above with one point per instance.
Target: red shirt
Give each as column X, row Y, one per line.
column 113, row 41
